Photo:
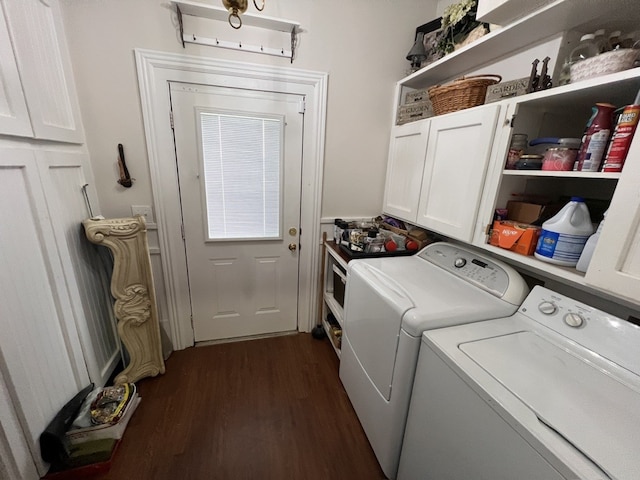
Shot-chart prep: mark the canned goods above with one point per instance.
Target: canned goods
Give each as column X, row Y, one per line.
column 621, row 140
column 559, row 159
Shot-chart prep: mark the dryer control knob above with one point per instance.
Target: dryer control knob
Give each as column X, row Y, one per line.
column 459, row 262
column 548, row 308
column 573, row 319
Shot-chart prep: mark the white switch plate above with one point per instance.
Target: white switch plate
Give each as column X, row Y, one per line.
column 145, row 210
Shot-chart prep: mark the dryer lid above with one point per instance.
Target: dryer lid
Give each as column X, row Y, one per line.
column 591, row 408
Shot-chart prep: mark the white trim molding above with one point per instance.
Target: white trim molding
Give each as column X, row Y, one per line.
column 155, row 71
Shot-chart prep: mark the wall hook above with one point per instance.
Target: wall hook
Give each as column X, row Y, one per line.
column 125, row 178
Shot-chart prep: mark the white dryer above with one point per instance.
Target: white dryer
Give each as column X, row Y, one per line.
column 550, row 393
column 389, row 303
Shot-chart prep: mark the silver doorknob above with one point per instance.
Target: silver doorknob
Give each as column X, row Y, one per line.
column 293, row 246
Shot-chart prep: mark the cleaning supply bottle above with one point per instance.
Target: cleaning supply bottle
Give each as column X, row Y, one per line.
column 564, row 235
column 595, row 138
column 587, row 253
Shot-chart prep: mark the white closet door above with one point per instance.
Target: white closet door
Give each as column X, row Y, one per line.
column 85, row 265
column 40, row 354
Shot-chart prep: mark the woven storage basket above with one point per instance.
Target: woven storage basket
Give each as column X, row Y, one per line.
column 603, row 64
column 465, row 92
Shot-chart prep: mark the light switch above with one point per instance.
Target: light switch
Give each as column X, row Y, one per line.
column 145, row 210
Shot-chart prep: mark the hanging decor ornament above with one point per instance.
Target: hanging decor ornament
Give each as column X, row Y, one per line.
column 237, row 7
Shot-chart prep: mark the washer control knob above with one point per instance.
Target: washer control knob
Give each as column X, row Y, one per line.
column 547, row 308
column 459, row 262
column 573, row 319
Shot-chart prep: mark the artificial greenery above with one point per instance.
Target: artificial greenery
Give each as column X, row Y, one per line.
column 458, row 20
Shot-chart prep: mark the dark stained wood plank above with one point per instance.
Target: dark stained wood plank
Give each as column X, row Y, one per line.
column 263, row 409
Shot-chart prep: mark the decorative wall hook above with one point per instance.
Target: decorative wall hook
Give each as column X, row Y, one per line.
column 125, row 179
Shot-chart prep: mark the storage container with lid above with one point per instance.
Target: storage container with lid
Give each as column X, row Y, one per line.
column 529, row 162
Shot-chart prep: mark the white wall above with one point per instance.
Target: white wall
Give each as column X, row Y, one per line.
column 362, row 44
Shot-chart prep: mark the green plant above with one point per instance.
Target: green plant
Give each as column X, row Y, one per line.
column 458, row 20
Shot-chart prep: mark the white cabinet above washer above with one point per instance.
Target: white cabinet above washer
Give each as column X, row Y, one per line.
column 436, row 170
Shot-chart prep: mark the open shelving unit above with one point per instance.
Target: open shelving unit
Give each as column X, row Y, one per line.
column 333, row 259
column 558, row 16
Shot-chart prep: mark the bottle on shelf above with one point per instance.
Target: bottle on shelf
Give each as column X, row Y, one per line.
column 615, row 40
column 601, row 42
column 589, row 247
column 585, row 49
column 564, row 235
column 595, row 138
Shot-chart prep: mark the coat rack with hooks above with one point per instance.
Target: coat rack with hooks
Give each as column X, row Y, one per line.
column 184, row 7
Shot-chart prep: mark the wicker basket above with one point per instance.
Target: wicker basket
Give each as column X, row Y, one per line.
column 604, row 64
column 465, row 92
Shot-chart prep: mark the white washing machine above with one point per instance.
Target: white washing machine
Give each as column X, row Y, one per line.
column 389, row 303
column 550, row 393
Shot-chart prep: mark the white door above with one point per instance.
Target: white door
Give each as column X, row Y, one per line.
column 239, row 155
column 407, row 151
column 458, row 153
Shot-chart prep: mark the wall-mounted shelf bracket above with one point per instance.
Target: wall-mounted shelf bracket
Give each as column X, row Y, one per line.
column 184, row 7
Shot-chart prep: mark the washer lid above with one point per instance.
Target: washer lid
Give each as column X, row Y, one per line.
column 587, row 405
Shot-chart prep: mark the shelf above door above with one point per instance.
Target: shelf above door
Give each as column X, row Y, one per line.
column 195, row 9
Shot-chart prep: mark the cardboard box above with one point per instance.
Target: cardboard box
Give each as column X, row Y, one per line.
column 529, row 213
column 524, row 212
column 518, row 237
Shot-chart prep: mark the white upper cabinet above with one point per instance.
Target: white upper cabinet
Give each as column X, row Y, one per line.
column 615, row 265
column 407, row 152
column 14, row 117
column 458, row 153
column 39, row 51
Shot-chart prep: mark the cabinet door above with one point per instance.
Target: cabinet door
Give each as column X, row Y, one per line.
column 458, row 153
column 615, row 265
column 404, row 170
column 14, row 117
column 39, row 44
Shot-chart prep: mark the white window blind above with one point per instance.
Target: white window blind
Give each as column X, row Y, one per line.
column 242, row 165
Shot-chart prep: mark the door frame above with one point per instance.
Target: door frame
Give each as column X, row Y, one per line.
column 155, row 71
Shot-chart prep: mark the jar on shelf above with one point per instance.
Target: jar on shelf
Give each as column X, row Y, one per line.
column 517, row 147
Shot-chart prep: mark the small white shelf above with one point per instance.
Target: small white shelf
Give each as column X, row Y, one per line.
column 335, row 308
column 569, row 174
column 559, row 16
column 532, row 264
column 219, row 13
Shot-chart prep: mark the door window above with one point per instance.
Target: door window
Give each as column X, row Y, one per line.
column 242, row 157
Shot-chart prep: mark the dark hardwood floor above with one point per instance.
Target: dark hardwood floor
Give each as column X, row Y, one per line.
column 263, row 409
